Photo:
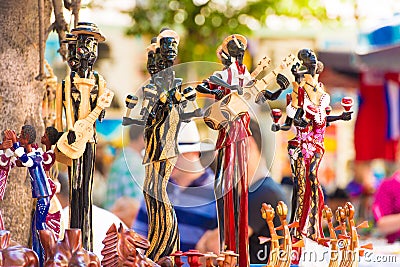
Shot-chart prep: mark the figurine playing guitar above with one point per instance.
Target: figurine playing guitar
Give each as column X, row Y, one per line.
column 230, row 116
column 77, row 101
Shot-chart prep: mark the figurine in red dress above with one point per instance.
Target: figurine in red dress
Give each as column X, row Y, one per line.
column 308, row 111
column 231, row 181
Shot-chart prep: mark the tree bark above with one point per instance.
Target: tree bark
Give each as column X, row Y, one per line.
column 20, row 100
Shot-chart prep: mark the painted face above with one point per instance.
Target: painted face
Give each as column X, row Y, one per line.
column 307, row 56
column 86, row 50
column 235, row 51
column 22, row 138
column 168, row 48
column 152, row 63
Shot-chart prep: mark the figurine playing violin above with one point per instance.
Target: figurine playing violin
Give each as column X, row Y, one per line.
column 230, row 116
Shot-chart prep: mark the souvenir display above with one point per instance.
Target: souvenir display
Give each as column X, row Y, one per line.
column 78, row 101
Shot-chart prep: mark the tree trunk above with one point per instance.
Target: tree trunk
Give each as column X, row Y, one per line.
column 20, row 100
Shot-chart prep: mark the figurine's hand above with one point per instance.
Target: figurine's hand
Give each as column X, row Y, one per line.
column 198, row 113
column 10, row 135
column 282, row 81
column 275, row 127
column 71, row 137
column 7, row 144
column 219, row 94
column 300, row 122
column 237, row 88
column 295, row 68
column 346, row 116
column 102, row 115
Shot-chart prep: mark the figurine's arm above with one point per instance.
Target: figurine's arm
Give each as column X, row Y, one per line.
column 186, row 117
column 129, row 121
column 345, row 116
column 5, row 157
column 284, row 127
column 208, row 88
column 49, row 157
column 283, row 83
column 22, row 156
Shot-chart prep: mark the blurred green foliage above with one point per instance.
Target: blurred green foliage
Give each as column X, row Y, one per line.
column 203, row 24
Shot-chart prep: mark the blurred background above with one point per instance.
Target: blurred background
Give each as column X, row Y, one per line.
column 357, row 40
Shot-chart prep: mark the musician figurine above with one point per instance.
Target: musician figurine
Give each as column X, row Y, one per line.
column 33, row 159
column 232, row 145
column 307, row 110
column 78, row 99
column 161, row 151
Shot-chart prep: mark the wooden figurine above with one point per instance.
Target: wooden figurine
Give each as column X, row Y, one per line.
column 231, row 117
column 123, row 247
column 230, row 258
column 7, row 161
column 53, row 218
column 285, row 258
column 193, row 256
column 15, row 255
column 333, row 239
column 307, row 110
column 354, row 248
column 49, row 109
column 161, row 150
column 210, row 257
column 268, row 214
column 32, row 158
column 340, row 216
column 177, row 258
column 78, row 100
column 66, row 252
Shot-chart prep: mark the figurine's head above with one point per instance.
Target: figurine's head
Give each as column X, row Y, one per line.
column 327, row 213
column 151, row 59
column 73, row 62
column 27, row 135
column 224, row 57
column 236, row 45
column 50, row 137
column 309, row 59
column 349, row 210
column 168, row 41
column 282, row 209
column 88, row 37
column 340, row 215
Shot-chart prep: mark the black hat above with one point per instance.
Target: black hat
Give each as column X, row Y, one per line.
column 89, row 28
column 69, row 39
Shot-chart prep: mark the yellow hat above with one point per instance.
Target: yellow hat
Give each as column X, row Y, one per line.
column 168, row 33
column 221, row 53
column 236, row 37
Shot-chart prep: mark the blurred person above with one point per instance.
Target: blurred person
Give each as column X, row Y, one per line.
column 102, row 219
column 190, row 190
column 262, row 189
column 386, row 208
column 125, row 179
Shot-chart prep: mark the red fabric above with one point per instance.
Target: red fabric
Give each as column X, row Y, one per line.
column 229, row 218
column 370, row 128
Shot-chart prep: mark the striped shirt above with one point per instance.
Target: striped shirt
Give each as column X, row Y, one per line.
column 194, row 206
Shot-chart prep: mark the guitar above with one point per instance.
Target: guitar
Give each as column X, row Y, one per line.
column 233, row 105
column 84, row 129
